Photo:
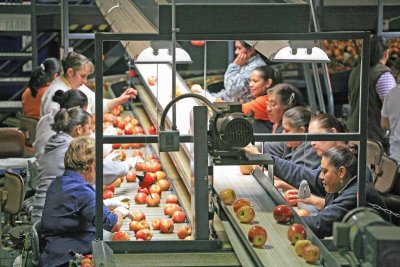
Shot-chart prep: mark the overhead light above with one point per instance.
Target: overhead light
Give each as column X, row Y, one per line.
column 301, row 52
column 161, row 52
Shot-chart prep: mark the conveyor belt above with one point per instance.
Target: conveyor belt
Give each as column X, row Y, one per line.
column 277, row 251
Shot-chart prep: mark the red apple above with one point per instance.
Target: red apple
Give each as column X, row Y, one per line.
column 303, row 212
column 121, row 124
column 138, row 215
column 107, row 194
column 153, row 200
column 172, row 199
column 282, row 214
column 125, row 146
column 131, row 177
column 163, row 184
column 120, row 131
column 140, row 198
column 138, row 130
column 109, row 187
column 245, row 214
column 152, row 130
column 133, row 225
column 152, row 80
column 116, row 146
column 290, row 197
column 128, row 118
column 240, row 202
column 178, row 216
column 300, row 245
column 136, row 226
column 153, row 166
column 156, row 224
column 116, row 111
column 227, row 196
column 166, row 226
column 155, row 188
column 160, row 175
column 184, row 231
column 311, row 253
column 197, row 43
column 143, row 190
column 121, row 236
column 257, row 236
column 137, row 153
column 128, row 130
column 296, row 232
column 144, row 234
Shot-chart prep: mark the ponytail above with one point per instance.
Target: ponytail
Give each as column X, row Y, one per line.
column 66, row 120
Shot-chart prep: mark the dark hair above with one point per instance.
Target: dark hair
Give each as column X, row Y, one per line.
column 328, row 121
column 298, row 117
column 70, row 98
column 287, row 95
column 66, row 119
column 246, row 45
column 43, row 74
column 379, row 45
column 75, row 61
column 340, row 156
column 268, row 72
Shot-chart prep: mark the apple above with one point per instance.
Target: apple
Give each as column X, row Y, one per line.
column 166, row 226
column 116, row 111
column 137, row 153
column 197, row 43
column 282, row 214
column 178, row 216
column 140, row 198
column 155, row 188
column 303, row 212
column 136, row 226
column 240, row 202
column 156, row 224
column 163, row 184
column 171, row 199
column 153, row 166
column 245, row 214
column 143, row 190
column 121, row 124
column 131, row 177
column 128, row 118
column 152, row 80
column 246, row 169
column 120, row 131
column 227, row 196
column 184, row 231
column 121, row 236
column 138, row 129
column 169, row 209
column 116, row 146
column 152, row 130
column 144, row 234
column 311, row 253
column 160, row 175
column 138, row 215
column 296, row 232
column 153, row 200
column 125, row 146
column 290, row 197
column 107, row 194
column 299, row 246
column 109, row 187
column 128, row 130
column 257, row 236
column 87, row 263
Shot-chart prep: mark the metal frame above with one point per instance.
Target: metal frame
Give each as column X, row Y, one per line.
column 360, row 136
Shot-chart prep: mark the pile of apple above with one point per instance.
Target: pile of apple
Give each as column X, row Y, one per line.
column 257, row 234
column 87, row 261
column 296, row 234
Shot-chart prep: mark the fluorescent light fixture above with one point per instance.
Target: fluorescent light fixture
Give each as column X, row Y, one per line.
column 301, row 52
column 161, row 52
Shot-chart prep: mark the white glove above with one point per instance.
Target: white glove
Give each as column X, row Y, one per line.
column 115, row 202
column 131, row 162
column 198, row 90
column 123, row 211
column 110, row 130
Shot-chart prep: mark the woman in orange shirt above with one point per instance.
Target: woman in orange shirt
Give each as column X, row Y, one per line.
column 261, row 78
column 39, row 81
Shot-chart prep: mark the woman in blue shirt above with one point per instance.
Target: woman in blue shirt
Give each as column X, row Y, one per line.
column 69, row 211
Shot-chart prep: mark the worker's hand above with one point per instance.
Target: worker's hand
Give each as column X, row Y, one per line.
column 124, row 212
column 251, row 149
column 128, row 94
column 115, row 202
column 131, row 162
column 241, row 59
column 196, row 89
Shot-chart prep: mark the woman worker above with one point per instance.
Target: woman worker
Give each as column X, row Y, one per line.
column 70, row 207
column 261, row 78
column 338, row 178
column 77, row 68
column 69, row 124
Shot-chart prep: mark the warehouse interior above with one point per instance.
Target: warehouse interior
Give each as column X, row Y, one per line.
column 195, row 144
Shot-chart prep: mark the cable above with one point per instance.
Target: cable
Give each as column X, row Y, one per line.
column 170, row 104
